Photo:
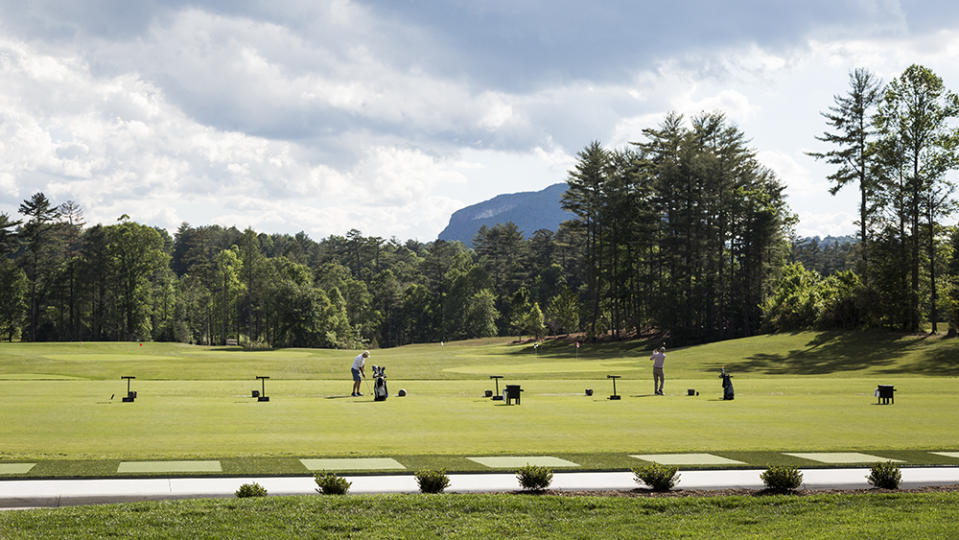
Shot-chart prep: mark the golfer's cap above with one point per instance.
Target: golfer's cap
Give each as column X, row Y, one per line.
column 366, row 353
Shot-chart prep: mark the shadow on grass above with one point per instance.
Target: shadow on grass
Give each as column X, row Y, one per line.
column 834, row 352
column 236, row 348
column 943, row 360
column 600, row 350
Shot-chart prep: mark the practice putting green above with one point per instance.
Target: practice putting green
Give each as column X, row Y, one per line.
column 168, row 466
column 512, row 462
column 16, row 468
column 839, row 457
column 352, row 464
column 687, row 459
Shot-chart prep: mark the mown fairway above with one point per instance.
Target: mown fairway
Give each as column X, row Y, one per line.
column 796, row 392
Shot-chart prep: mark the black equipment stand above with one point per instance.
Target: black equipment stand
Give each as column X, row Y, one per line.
column 262, row 396
column 614, row 396
column 130, row 395
column 496, row 395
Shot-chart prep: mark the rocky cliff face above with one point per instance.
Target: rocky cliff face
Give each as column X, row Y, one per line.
column 530, row 211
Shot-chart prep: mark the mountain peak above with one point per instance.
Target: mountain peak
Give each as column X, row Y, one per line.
column 529, row 210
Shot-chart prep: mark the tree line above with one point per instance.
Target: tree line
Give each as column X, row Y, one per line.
column 682, row 233
column 896, row 143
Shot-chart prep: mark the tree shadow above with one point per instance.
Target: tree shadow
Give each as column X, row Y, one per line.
column 597, row 350
column 942, row 361
column 233, row 348
column 835, row 352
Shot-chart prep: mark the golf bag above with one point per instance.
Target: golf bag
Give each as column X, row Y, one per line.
column 380, row 393
column 728, row 393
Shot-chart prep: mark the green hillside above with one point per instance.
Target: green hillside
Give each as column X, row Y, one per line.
column 796, row 354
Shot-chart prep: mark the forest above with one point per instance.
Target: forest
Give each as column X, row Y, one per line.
column 681, row 234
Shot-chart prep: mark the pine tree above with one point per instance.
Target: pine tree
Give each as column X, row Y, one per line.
column 853, row 138
column 36, row 236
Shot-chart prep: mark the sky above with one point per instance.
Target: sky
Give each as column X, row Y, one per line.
column 386, row 116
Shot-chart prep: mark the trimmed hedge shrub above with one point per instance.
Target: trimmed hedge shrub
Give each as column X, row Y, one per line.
column 431, row 481
column 534, row 477
column 782, row 478
column 885, row 475
column 657, row 477
column 331, row 484
column 251, row 490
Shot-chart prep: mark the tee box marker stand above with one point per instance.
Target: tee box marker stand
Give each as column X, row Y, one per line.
column 497, row 396
column 262, row 396
column 130, row 394
column 615, row 396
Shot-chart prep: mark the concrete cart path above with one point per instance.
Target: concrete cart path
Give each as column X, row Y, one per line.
column 52, row 493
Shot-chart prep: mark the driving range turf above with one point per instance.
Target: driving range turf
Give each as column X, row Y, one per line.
column 796, row 393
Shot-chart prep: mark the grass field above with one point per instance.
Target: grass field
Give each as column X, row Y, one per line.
column 900, row 515
column 794, row 393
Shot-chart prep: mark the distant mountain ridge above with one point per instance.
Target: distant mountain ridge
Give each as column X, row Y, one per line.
column 830, row 240
column 529, row 210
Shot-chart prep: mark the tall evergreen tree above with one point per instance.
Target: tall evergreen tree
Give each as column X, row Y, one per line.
column 36, row 236
column 850, row 120
column 72, row 215
column 914, row 117
column 583, row 198
column 8, row 235
column 13, row 282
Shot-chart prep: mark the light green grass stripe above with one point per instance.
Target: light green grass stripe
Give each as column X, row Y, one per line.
column 947, row 454
column 16, row 468
column 36, row 377
column 352, row 464
column 507, row 462
column 840, row 457
column 552, row 367
column 687, row 459
column 168, row 466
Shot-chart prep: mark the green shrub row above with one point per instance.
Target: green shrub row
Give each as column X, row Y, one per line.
column 779, row 479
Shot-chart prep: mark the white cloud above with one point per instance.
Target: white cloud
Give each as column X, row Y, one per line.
column 629, row 130
column 325, row 116
column 799, row 178
column 822, row 224
column 130, row 151
column 731, row 102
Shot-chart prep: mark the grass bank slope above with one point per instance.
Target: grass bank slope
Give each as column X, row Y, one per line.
column 851, row 354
